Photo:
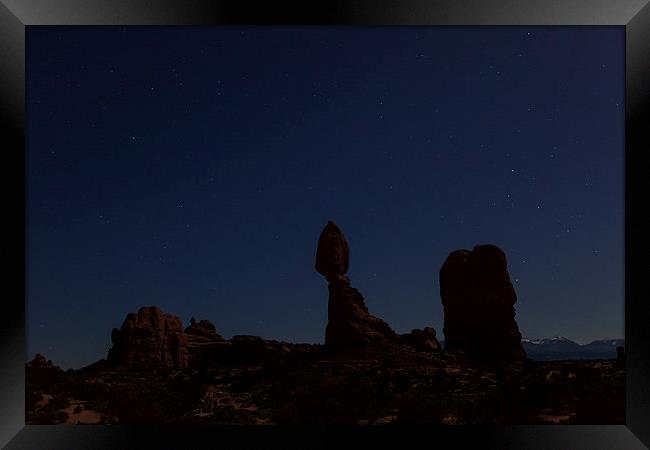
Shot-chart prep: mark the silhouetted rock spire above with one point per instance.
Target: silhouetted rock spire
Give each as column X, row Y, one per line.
column 478, row 300
column 350, row 324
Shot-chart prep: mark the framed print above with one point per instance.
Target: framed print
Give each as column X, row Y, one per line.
column 277, row 225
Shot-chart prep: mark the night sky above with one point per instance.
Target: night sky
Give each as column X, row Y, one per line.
column 194, row 169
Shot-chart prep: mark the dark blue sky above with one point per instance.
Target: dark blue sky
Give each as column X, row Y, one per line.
column 194, row 168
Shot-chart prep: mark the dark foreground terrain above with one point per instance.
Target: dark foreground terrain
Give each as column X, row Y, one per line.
column 307, row 386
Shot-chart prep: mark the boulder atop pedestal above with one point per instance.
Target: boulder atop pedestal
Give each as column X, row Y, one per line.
column 350, row 324
column 333, row 252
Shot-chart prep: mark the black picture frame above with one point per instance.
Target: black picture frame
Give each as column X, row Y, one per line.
column 634, row 15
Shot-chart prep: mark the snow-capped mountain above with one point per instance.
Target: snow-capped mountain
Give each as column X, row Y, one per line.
column 557, row 340
column 562, row 348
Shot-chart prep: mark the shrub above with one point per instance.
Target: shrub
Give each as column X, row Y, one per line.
column 230, row 415
column 421, row 406
column 143, row 402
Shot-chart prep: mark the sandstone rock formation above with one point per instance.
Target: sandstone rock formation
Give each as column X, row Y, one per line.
column 203, row 331
column 350, row 325
column 421, row 340
column 204, row 343
column 201, row 334
column 478, row 300
column 333, row 252
column 41, row 362
column 40, row 370
column 150, row 337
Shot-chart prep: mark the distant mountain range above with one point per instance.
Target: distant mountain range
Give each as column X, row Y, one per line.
column 562, row 348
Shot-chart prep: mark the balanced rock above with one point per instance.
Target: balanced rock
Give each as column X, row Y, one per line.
column 478, row 300
column 350, row 325
column 151, row 338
